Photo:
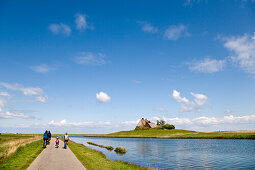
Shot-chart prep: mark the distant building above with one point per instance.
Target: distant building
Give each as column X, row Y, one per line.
column 146, row 123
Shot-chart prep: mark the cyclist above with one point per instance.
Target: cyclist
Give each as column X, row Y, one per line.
column 66, row 137
column 57, row 142
column 45, row 137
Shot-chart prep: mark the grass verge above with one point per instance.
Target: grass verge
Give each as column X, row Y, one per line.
column 23, row 156
column 93, row 159
column 10, row 142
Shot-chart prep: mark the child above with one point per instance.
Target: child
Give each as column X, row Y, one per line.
column 57, row 142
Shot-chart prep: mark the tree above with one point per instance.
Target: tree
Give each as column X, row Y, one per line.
column 161, row 122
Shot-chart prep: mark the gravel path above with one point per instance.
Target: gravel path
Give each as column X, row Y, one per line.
column 56, row 158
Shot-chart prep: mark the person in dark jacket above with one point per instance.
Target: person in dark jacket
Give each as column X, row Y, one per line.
column 49, row 135
column 45, row 136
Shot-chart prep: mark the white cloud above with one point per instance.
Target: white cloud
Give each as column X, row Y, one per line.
column 188, row 106
column 24, row 90
column 175, row 32
column 88, row 58
column 4, row 94
column 210, row 122
column 80, row 124
column 176, row 96
column 42, row 99
column 81, row 22
column 207, row 65
column 132, row 123
column 43, row 68
column 148, row 28
column 243, row 51
column 11, row 115
column 102, row 97
column 200, row 99
column 2, row 104
column 27, row 91
column 60, row 29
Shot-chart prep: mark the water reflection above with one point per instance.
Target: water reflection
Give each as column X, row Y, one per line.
column 180, row 153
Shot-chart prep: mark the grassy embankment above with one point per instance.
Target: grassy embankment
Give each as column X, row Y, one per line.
column 93, row 159
column 179, row 134
column 18, row 151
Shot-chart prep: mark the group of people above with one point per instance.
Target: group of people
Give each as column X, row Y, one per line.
column 47, row 138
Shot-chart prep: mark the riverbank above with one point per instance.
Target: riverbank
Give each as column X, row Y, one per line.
column 93, row 160
column 176, row 134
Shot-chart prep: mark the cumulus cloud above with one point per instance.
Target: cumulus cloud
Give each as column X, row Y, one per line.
column 79, row 124
column 27, row 91
column 187, row 106
column 148, row 28
column 175, row 32
column 102, row 97
column 88, row 58
column 207, row 65
column 177, row 97
column 60, row 29
column 43, row 68
column 243, row 51
column 204, row 120
column 11, row 115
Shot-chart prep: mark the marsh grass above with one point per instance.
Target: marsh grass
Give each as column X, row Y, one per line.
column 23, row 156
column 94, row 160
column 10, row 142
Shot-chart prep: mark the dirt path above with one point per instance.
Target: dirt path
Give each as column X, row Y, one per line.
column 56, row 158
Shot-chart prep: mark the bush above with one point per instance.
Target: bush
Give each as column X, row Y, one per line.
column 168, row 126
column 161, row 122
column 120, row 150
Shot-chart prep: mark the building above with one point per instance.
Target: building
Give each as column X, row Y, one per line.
column 146, row 123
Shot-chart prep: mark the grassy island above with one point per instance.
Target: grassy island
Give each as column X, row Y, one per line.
column 178, row 134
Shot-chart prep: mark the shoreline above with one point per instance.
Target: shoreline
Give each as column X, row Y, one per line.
column 159, row 137
column 175, row 134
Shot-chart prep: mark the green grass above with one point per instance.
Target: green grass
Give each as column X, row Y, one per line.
column 94, row 160
column 9, row 137
column 179, row 134
column 23, row 156
column 6, row 139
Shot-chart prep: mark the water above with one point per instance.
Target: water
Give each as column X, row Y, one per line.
column 179, row 153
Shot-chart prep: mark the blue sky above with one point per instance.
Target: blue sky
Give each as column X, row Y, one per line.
column 98, row 67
